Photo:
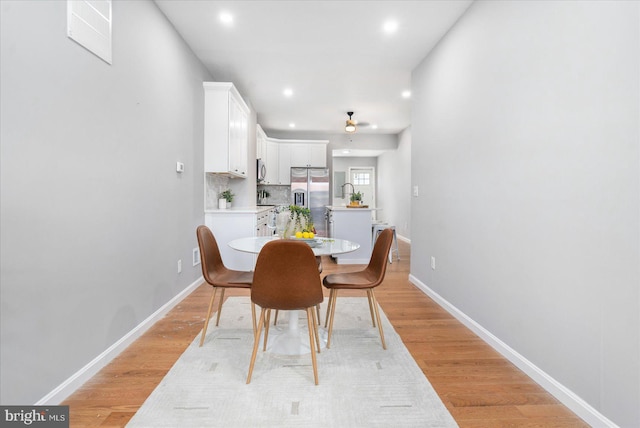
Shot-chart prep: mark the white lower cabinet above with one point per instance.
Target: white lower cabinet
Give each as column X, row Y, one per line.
column 262, row 222
column 228, row 225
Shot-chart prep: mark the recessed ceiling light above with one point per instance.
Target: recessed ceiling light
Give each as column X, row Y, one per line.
column 374, row 126
column 226, row 18
column 406, row 94
column 292, row 125
column 288, row 92
column 390, row 27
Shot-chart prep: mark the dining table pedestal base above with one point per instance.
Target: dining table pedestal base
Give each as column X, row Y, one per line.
column 292, row 339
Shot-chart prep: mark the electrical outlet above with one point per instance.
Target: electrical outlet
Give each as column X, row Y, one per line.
column 433, row 263
column 196, row 256
column 179, row 266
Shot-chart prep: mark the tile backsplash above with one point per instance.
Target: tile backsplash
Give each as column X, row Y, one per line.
column 278, row 195
column 215, row 184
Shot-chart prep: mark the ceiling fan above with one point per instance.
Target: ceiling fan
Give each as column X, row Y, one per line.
column 352, row 125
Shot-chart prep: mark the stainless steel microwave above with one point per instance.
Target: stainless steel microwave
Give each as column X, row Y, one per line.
column 262, row 171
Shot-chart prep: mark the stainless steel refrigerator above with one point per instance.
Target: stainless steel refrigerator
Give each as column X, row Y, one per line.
column 310, row 189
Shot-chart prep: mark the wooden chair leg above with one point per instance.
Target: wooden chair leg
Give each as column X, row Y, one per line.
column 332, row 302
column 220, row 306
column 266, row 330
column 275, row 317
column 206, row 321
column 373, row 320
column 253, row 317
column 318, row 313
column 326, row 318
column 310, row 323
column 375, row 307
column 256, row 342
column 315, row 328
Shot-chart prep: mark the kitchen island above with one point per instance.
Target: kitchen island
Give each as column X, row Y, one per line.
column 353, row 224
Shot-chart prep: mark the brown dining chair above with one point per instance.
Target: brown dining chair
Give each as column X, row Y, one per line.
column 286, row 278
column 217, row 275
column 366, row 279
column 319, row 262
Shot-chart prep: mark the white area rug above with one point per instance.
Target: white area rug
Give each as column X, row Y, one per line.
column 361, row 385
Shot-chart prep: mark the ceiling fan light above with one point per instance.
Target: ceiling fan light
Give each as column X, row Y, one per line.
column 351, row 124
column 350, row 127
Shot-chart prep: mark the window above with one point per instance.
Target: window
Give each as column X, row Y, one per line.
column 361, row 178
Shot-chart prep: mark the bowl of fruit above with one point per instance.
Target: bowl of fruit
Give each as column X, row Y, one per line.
column 304, row 236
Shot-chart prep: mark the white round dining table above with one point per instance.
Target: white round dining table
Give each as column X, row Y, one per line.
column 320, row 246
column 289, row 340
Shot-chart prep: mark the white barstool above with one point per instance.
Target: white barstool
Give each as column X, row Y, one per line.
column 376, row 227
column 379, row 227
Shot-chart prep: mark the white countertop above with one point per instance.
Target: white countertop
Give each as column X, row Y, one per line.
column 241, row 210
column 261, row 208
column 345, row 208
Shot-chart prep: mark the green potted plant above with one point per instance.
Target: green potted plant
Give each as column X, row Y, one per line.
column 225, row 198
column 356, row 198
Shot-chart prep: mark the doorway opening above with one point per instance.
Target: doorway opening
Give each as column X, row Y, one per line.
column 364, row 181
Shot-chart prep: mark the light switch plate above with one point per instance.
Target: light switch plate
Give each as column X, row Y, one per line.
column 415, row 191
column 179, row 167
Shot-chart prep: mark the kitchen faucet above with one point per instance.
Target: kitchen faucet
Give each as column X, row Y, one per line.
column 353, row 190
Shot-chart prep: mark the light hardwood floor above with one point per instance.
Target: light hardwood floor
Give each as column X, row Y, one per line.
column 479, row 387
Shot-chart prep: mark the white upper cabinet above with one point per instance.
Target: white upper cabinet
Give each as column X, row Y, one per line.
column 272, row 162
column 280, row 156
column 318, row 155
column 261, row 143
column 309, row 154
column 284, row 163
column 226, row 130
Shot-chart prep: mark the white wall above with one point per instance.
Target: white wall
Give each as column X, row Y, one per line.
column 394, row 190
column 343, row 164
column 526, row 152
column 93, row 214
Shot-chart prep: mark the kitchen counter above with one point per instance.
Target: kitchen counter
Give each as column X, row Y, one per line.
column 234, row 223
column 353, row 224
column 242, row 210
column 345, row 208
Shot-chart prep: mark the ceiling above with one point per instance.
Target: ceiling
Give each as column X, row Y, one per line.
column 333, row 55
column 349, row 153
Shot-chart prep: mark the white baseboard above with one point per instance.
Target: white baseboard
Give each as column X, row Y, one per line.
column 74, row 382
column 555, row 388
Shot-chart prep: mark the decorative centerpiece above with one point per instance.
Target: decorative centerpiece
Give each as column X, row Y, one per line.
column 225, row 198
column 299, row 224
column 356, row 199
